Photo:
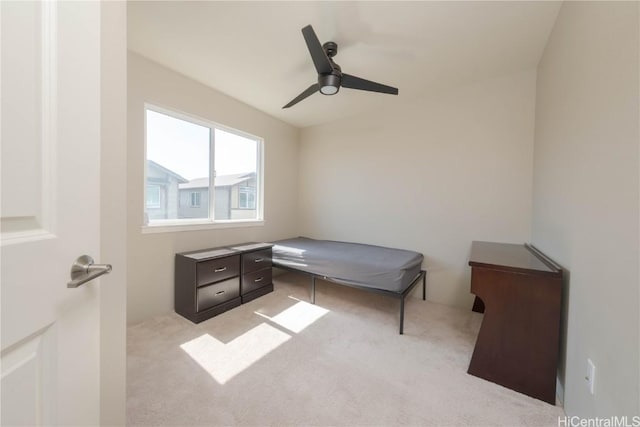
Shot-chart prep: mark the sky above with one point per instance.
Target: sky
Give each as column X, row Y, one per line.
column 183, row 147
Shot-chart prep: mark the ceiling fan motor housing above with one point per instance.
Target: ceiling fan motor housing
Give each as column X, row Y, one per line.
column 330, row 48
column 329, row 83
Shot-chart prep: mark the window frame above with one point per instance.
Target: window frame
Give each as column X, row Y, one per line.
column 192, row 224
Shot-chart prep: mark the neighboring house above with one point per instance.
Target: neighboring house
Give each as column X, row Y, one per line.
column 162, row 192
column 235, row 197
column 194, row 198
column 170, row 196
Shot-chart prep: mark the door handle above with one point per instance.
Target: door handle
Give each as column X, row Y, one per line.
column 84, row 269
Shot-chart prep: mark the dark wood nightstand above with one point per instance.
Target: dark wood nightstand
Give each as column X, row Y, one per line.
column 211, row 281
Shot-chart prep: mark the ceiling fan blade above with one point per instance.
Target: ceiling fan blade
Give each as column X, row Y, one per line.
column 309, row 91
column 320, row 59
column 353, row 82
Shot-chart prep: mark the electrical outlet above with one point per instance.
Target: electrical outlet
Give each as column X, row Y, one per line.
column 591, row 376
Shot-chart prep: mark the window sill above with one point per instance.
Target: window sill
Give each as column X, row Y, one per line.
column 170, row 227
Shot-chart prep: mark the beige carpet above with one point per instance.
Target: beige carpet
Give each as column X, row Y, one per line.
column 281, row 361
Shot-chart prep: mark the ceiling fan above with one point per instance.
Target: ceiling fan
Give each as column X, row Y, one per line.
column 330, row 76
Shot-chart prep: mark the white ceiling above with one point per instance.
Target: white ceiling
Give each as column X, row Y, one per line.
column 255, row 52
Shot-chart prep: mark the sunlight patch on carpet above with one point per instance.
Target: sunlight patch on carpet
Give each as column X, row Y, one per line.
column 225, row 361
column 297, row 317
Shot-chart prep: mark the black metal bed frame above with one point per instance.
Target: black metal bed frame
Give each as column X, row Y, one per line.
column 400, row 295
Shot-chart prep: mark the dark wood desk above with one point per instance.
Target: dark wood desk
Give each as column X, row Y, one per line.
column 517, row 345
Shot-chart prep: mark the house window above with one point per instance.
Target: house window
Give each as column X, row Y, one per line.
column 247, row 198
column 200, row 164
column 195, row 200
column 153, row 196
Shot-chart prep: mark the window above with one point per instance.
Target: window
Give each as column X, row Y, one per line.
column 153, row 196
column 199, row 172
column 247, row 198
column 195, row 200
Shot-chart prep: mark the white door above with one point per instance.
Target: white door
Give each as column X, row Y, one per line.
column 50, row 211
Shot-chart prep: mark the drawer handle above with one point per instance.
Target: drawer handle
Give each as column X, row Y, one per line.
column 258, row 260
column 259, row 279
column 219, row 292
column 218, row 270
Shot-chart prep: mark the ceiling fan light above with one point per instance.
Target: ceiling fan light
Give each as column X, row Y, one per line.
column 329, row 83
column 328, row 90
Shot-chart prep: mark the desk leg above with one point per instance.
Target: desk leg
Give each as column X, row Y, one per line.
column 478, row 305
column 313, row 289
column 517, row 345
column 402, row 315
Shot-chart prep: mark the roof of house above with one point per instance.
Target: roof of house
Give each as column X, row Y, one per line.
column 220, row 181
column 179, row 178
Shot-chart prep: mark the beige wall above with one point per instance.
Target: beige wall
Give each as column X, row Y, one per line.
column 151, row 256
column 585, row 204
column 432, row 175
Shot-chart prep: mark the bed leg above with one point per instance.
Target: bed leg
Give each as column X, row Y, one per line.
column 402, row 316
column 424, row 285
column 313, row 289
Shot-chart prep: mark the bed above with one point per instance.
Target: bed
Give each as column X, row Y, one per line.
column 387, row 271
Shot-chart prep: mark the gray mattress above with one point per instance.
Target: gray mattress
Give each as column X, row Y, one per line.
column 350, row 263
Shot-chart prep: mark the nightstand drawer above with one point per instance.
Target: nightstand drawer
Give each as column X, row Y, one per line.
column 217, row 269
column 257, row 260
column 209, row 296
column 255, row 280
